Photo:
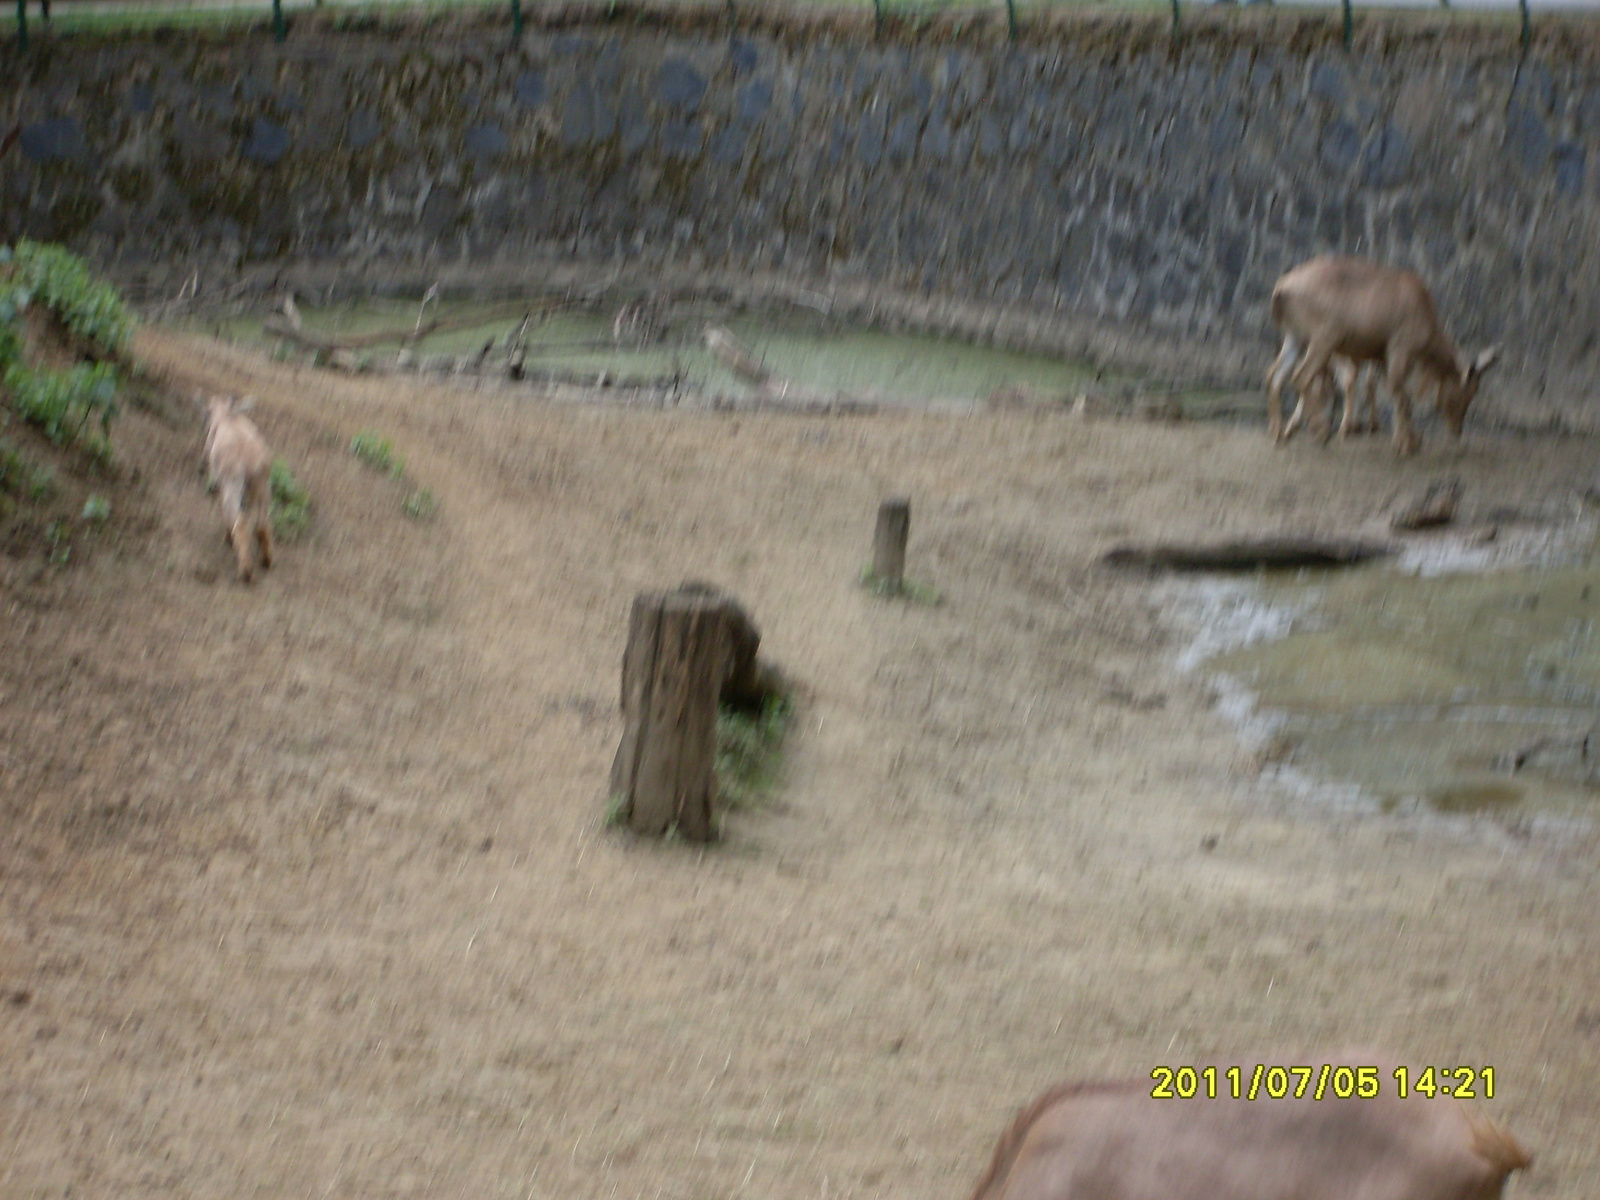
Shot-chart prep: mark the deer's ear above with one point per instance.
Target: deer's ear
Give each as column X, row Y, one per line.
column 244, row 405
column 1484, row 361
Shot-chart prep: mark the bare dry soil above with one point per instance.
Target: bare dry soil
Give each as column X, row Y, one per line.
column 305, row 889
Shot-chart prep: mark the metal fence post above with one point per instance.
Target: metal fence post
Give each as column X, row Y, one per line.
column 1011, row 18
column 22, row 25
column 1174, row 20
column 516, row 18
column 877, row 15
column 1349, row 24
column 277, row 21
column 1527, row 26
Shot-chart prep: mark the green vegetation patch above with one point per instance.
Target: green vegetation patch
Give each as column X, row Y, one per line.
column 291, row 504
column 38, row 277
column 60, row 280
column 749, row 762
column 377, row 452
column 19, row 477
column 908, row 590
column 421, row 505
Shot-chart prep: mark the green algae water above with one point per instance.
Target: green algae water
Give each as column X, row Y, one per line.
column 816, row 354
column 1460, row 693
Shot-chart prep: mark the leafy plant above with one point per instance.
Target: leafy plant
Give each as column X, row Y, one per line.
column 55, row 277
column 291, row 503
column 377, row 452
column 97, row 510
column 20, row 477
column 62, row 402
column 616, row 810
column 750, row 751
column 421, row 505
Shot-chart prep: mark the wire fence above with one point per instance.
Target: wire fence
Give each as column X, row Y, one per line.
column 68, row 16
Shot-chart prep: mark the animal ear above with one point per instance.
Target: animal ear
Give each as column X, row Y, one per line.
column 244, row 405
column 1484, row 361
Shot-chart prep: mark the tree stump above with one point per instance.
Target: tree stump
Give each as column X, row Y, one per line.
column 889, row 544
column 685, row 647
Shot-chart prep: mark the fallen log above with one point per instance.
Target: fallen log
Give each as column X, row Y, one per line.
column 1249, row 554
column 317, row 341
column 733, row 354
column 360, row 341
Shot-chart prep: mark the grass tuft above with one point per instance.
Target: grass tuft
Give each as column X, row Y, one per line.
column 421, row 505
column 749, row 762
column 377, row 452
column 909, row 590
column 291, row 504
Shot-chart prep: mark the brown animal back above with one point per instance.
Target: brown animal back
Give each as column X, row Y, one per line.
column 1005, row 1152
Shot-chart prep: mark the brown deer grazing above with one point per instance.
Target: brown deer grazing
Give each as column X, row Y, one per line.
column 237, row 459
column 1113, row 1141
column 1367, row 313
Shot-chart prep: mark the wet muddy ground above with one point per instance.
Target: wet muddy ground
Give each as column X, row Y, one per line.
column 1463, row 678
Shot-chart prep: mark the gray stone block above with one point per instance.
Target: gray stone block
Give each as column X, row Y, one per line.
column 362, row 129
column 1339, row 146
column 268, row 142
column 485, row 142
column 752, row 101
column 1527, row 138
column 902, row 139
column 57, row 140
column 728, row 145
column 529, row 88
column 679, row 139
column 679, row 86
column 869, row 139
column 1569, row 162
column 1386, row 161
column 936, row 139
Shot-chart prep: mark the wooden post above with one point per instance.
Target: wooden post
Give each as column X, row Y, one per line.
column 889, row 544
column 677, row 658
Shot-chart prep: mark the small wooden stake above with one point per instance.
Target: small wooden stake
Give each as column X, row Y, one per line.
column 889, row 544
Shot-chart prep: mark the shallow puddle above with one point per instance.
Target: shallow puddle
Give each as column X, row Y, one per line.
column 1460, row 693
column 816, row 354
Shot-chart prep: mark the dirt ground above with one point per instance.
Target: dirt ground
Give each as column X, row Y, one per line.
column 305, row 889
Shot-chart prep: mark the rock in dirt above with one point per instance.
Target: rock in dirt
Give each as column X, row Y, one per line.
column 1436, row 506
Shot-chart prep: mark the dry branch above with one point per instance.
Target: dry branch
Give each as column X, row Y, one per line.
column 361, row 341
column 739, row 360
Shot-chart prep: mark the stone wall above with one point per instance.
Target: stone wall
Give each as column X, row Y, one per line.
column 1093, row 169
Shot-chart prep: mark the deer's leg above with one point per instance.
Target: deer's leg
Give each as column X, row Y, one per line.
column 1319, row 414
column 260, row 507
column 1296, row 419
column 243, row 548
column 264, row 536
column 1371, row 425
column 1310, row 379
column 1347, row 373
column 1406, row 441
column 1279, row 372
